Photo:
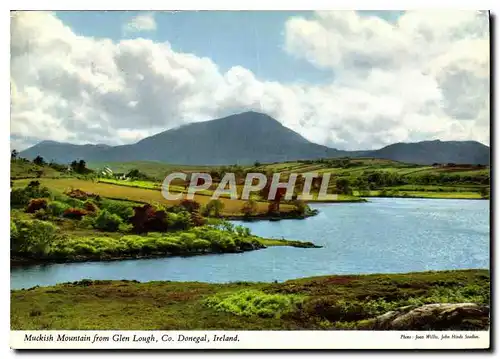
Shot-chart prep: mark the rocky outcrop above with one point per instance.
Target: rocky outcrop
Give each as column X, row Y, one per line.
column 438, row 316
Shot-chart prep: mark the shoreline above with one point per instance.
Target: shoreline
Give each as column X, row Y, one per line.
column 17, row 262
column 295, row 279
column 267, row 217
column 422, row 197
column 320, row 302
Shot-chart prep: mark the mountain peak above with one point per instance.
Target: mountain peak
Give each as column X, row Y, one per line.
column 250, row 116
column 245, row 138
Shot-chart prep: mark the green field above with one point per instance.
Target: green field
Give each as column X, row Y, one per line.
column 440, row 181
column 328, row 302
column 20, row 169
column 421, row 194
column 157, row 170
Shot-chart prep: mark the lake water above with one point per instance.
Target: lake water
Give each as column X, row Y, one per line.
column 386, row 235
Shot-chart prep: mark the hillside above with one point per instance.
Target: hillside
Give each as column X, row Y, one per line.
column 25, row 169
column 245, row 138
column 317, row 303
column 428, row 152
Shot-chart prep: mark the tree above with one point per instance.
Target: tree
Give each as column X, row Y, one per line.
column 256, row 164
column 300, row 207
column 343, row 186
column 13, row 155
column 39, row 161
column 274, row 206
column 484, row 192
column 215, row 206
column 135, row 173
column 249, row 207
column 79, row 167
column 190, row 205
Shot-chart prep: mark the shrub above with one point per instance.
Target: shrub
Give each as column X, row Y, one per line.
column 197, row 219
column 19, row 197
column 343, row 186
column 22, row 196
column 254, row 303
column 333, row 310
column 87, row 222
column 122, row 209
column 190, row 205
column 57, row 208
column 74, row 213
column 214, row 207
column 176, row 209
column 179, row 220
column 124, row 227
column 71, row 202
column 107, row 221
column 33, row 237
column 300, row 207
column 90, row 206
column 242, row 231
column 147, row 218
column 200, row 245
column 13, row 229
column 485, row 193
column 36, row 204
column 42, row 214
column 383, row 193
column 77, row 193
column 249, row 207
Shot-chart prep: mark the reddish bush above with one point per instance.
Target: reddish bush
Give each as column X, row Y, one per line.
column 148, row 219
column 90, row 207
column 190, row 205
column 273, row 207
column 36, row 204
column 75, row 213
column 198, row 219
column 81, row 195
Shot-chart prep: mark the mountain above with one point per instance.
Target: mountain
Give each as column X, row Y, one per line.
column 245, row 138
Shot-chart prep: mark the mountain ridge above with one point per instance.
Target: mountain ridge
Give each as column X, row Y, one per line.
column 248, row 137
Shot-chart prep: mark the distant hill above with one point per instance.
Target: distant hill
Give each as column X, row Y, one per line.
column 245, row 138
column 429, row 152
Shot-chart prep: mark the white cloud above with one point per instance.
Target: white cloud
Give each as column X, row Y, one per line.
column 424, row 77
column 140, row 23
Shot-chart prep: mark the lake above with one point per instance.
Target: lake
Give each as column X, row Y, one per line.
column 385, row 235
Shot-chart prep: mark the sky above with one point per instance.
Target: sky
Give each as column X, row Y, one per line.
column 346, row 79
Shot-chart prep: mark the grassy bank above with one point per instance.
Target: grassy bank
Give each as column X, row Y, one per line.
column 35, row 241
column 420, row 194
column 328, row 302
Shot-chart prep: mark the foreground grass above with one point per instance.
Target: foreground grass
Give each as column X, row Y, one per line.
column 328, row 302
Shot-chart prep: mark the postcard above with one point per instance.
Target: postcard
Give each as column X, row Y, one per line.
column 250, row 179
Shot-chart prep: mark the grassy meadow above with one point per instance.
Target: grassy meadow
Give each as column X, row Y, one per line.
column 317, row 303
column 438, row 181
column 142, row 194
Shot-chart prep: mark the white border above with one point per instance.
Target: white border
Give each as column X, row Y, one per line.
column 250, row 5
column 303, row 340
